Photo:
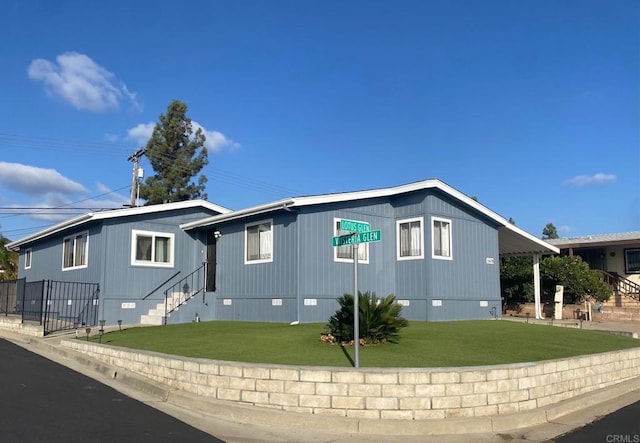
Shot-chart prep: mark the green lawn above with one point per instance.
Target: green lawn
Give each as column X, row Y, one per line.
column 441, row 344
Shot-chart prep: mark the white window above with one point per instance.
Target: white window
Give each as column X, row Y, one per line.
column 441, row 236
column 27, row 258
column 152, row 248
column 258, row 240
column 409, row 237
column 74, row 251
column 345, row 253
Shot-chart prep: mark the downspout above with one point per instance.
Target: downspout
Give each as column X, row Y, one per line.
column 536, row 285
column 298, row 290
column 287, row 207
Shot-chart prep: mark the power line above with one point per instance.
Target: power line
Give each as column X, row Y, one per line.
column 106, row 149
column 66, row 206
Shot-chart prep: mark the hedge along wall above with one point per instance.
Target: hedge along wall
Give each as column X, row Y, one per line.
column 380, row 393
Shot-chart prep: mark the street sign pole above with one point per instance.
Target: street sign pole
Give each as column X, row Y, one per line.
column 359, row 232
column 356, row 308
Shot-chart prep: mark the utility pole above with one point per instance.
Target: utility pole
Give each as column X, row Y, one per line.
column 135, row 158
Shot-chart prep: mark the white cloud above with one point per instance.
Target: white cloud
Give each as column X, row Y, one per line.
column 141, row 133
column 32, row 180
column 56, row 206
column 215, row 141
column 595, row 179
column 565, row 228
column 81, row 82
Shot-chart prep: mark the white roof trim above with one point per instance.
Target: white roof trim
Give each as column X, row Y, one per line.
column 234, row 215
column 115, row 213
column 531, row 243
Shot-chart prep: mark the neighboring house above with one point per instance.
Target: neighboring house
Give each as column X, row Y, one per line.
column 616, row 256
column 438, row 252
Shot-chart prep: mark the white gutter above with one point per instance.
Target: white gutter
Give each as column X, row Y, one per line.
column 15, row 246
column 254, row 210
column 115, row 213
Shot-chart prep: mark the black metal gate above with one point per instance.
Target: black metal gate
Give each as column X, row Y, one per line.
column 69, row 305
column 57, row 305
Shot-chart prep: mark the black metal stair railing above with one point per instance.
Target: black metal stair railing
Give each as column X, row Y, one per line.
column 183, row 290
column 621, row 285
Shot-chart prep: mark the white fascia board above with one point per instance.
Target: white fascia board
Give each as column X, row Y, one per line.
column 234, row 215
column 372, row 193
column 15, row 246
column 115, row 213
column 150, row 209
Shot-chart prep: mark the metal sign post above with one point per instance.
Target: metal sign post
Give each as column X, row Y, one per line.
column 356, row 308
column 360, row 233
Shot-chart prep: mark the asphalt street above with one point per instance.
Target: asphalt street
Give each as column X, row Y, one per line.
column 43, row 401
column 622, row 426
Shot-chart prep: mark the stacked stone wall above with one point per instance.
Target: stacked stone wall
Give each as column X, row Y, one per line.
column 395, row 394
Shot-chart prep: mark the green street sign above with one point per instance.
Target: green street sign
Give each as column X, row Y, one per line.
column 354, row 226
column 360, row 237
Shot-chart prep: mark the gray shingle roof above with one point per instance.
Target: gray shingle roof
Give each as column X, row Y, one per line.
column 597, row 239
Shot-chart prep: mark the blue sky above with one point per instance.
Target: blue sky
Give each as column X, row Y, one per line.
column 531, row 106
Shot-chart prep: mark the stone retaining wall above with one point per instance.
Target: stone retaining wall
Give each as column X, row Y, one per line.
column 15, row 324
column 379, row 393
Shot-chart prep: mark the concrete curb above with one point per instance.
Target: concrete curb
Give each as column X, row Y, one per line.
column 230, row 411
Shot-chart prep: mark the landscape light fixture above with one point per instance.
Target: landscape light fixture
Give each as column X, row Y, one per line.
column 120, row 325
column 102, row 322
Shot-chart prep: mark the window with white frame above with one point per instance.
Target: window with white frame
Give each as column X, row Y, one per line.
column 345, row 253
column 632, row 261
column 258, row 242
column 409, row 237
column 27, row 258
column 441, row 238
column 74, row 251
column 150, row 248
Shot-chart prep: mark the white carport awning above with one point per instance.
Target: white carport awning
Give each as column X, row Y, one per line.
column 513, row 241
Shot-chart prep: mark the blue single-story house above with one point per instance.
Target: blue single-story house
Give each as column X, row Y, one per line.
column 437, row 250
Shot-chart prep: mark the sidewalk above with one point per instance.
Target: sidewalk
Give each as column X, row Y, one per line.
column 245, row 424
column 631, row 329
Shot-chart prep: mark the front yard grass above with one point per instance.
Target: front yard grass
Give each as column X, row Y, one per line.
column 440, row 344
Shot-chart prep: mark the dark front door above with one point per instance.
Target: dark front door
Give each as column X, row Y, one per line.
column 595, row 257
column 211, row 261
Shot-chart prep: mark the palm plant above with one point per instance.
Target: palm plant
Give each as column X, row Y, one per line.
column 379, row 319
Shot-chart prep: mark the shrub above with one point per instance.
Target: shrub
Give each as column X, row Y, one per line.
column 379, row 319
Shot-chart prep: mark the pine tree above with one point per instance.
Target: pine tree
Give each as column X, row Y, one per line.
column 549, row 232
column 177, row 155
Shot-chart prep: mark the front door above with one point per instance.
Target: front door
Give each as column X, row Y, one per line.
column 211, row 261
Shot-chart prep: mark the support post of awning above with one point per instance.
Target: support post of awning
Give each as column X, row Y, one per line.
column 536, row 285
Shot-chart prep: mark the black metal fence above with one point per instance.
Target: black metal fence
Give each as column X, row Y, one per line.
column 9, row 300
column 69, row 305
column 56, row 305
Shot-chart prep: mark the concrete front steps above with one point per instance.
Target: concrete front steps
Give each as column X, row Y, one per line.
column 623, row 309
column 155, row 316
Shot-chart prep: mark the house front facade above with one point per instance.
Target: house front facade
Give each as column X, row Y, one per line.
column 616, row 256
column 434, row 248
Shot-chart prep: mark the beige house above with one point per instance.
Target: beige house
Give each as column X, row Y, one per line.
column 616, row 256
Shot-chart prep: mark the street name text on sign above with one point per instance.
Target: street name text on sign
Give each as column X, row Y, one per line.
column 360, row 237
column 354, row 226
